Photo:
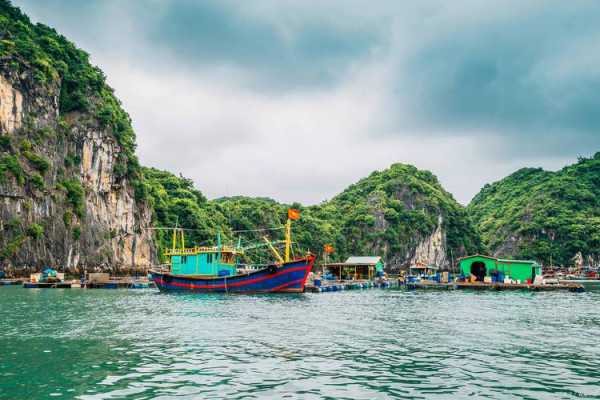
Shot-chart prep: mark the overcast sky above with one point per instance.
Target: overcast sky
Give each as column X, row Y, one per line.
column 295, row 100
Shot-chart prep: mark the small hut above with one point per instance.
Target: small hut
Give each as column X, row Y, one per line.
column 482, row 266
column 421, row 269
column 355, row 268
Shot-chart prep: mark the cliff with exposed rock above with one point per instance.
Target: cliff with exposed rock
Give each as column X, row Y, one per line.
column 71, row 193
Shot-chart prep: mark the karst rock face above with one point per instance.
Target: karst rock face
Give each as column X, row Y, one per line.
column 65, row 201
column 403, row 214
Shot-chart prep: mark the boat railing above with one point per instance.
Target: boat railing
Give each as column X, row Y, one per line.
column 202, row 249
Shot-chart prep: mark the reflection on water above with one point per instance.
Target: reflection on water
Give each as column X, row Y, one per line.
column 100, row 344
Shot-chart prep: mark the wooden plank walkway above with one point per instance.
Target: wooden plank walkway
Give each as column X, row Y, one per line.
column 9, row 282
column 572, row 287
column 47, row 285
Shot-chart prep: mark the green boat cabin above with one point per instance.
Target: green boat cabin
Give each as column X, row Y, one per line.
column 208, row 261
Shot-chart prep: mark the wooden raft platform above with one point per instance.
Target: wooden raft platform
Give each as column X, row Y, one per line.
column 572, row 287
column 9, row 282
column 47, row 285
column 338, row 286
column 119, row 284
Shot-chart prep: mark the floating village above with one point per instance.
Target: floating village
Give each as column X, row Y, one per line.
column 220, row 269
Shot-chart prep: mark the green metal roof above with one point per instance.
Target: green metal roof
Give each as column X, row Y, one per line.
column 516, row 261
column 503, row 260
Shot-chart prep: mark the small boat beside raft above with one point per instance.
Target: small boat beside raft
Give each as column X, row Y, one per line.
column 219, row 268
column 47, row 279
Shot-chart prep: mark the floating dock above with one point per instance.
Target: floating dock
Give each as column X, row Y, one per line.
column 9, row 282
column 119, row 284
column 47, row 285
column 571, row 287
column 588, row 284
column 338, row 286
column 102, row 280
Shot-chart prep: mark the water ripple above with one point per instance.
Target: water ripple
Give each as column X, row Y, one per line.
column 352, row 345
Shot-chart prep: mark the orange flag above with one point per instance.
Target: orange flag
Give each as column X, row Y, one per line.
column 328, row 249
column 293, row 214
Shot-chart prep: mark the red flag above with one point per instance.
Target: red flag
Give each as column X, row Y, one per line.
column 293, row 214
column 328, row 249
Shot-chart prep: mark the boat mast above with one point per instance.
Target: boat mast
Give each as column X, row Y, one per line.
column 175, row 236
column 288, row 239
column 273, row 249
column 292, row 214
column 219, row 247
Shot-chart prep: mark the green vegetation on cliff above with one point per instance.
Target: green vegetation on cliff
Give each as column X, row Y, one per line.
column 547, row 216
column 176, row 201
column 391, row 211
column 388, row 213
column 55, row 60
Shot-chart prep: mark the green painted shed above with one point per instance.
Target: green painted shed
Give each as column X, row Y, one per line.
column 482, row 266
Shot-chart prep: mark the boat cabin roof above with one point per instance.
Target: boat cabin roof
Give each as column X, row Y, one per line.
column 191, row 251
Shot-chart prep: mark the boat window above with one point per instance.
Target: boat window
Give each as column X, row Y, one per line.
column 209, row 258
column 184, row 259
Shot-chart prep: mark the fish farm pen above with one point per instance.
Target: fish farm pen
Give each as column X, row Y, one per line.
column 337, row 286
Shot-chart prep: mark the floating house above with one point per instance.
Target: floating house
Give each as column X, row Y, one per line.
column 356, row 268
column 423, row 269
column 485, row 266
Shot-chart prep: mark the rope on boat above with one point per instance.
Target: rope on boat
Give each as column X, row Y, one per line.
column 166, row 228
column 259, row 230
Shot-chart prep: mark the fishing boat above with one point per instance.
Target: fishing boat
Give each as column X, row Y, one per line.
column 219, row 268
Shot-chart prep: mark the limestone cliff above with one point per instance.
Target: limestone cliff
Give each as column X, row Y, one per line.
column 67, row 168
column 403, row 214
column 432, row 249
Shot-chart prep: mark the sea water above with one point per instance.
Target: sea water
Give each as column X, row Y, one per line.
column 370, row 344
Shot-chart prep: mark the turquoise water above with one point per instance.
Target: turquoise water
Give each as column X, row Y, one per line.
column 113, row 344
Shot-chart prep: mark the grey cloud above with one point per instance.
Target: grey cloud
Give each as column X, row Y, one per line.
column 509, row 76
column 315, row 54
column 218, row 90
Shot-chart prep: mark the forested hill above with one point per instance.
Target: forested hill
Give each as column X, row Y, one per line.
column 547, row 216
column 401, row 213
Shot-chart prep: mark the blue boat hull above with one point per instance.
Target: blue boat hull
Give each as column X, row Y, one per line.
column 289, row 277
